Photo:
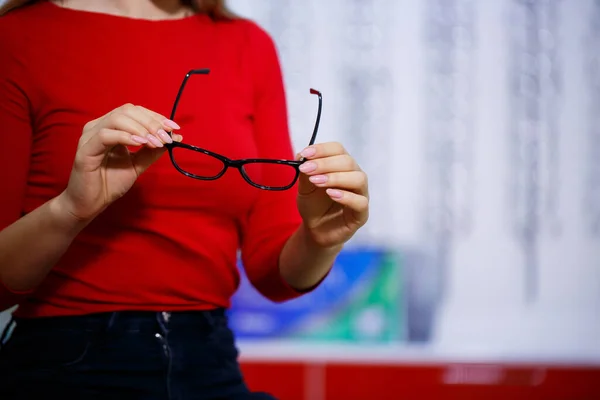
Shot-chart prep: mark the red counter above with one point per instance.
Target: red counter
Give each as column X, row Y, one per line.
column 322, row 380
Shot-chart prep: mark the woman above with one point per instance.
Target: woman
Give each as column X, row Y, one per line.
column 122, row 259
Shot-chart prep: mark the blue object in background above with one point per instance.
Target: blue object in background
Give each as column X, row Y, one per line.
column 253, row 316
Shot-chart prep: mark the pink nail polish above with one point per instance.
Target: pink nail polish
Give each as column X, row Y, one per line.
column 139, row 139
column 308, row 166
column 334, row 193
column 164, row 136
column 171, row 124
column 308, row 152
column 318, row 179
column 155, row 141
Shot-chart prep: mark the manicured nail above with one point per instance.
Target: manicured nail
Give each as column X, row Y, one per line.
column 308, row 166
column 318, row 179
column 171, row 124
column 334, row 193
column 308, row 152
column 155, row 141
column 139, row 139
column 164, row 136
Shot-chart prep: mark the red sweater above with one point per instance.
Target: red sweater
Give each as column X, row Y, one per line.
column 171, row 243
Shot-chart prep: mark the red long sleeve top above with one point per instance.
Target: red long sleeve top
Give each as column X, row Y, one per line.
column 171, row 243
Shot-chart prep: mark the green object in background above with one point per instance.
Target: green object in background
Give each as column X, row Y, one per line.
column 374, row 314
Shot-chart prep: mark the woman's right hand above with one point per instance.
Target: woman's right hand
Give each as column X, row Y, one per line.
column 104, row 169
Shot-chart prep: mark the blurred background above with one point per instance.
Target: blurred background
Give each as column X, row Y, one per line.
column 478, row 274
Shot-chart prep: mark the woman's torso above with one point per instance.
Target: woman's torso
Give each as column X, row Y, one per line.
column 171, row 241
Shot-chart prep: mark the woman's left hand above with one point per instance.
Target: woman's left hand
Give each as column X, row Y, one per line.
column 333, row 194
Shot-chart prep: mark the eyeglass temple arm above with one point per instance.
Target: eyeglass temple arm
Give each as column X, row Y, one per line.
column 318, row 120
column 202, row 71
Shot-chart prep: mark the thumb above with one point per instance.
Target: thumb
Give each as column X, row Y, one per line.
column 145, row 157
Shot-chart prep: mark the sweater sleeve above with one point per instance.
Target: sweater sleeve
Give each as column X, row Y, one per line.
column 274, row 216
column 15, row 151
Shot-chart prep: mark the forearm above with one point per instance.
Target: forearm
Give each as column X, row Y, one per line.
column 31, row 246
column 303, row 263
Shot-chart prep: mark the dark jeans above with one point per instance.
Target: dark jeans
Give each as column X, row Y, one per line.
column 123, row 355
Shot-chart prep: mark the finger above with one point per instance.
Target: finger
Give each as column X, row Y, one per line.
column 105, row 139
column 88, row 129
column 152, row 121
column 355, row 181
column 123, row 121
column 167, row 123
column 321, row 150
column 91, row 124
column 356, row 202
column 145, row 157
column 155, row 123
column 339, row 163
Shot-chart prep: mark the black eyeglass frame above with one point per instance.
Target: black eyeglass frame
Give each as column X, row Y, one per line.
column 238, row 164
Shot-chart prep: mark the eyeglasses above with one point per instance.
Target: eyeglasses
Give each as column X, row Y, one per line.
column 262, row 173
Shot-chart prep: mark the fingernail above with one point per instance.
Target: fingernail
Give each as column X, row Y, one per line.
column 155, row 141
column 139, row 139
column 334, row 193
column 164, row 136
column 308, row 166
column 308, row 152
column 171, row 124
column 318, row 179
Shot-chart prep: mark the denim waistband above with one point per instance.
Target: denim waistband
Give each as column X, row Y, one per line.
column 124, row 320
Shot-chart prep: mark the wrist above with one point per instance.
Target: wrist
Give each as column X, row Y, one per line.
column 304, row 262
column 312, row 244
column 60, row 211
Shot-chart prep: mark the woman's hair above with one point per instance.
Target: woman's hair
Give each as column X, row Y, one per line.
column 216, row 9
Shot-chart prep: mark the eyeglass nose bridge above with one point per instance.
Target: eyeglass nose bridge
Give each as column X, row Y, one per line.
column 235, row 163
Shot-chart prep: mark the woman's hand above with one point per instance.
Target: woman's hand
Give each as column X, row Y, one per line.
column 333, row 195
column 104, row 169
